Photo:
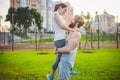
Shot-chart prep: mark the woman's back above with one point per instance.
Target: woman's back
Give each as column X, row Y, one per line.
column 59, row 32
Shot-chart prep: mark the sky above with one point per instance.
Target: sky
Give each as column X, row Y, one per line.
column 4, row 6
column 111, row 6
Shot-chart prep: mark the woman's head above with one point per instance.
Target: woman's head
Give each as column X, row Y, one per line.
column 61, row 8
column 77, row 19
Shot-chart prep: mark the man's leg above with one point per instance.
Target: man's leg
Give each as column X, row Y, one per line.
column 64, row 70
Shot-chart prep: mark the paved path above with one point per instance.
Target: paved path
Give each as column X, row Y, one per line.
column 49, row 46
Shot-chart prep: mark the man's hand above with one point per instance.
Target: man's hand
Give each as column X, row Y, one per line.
column 55, row 51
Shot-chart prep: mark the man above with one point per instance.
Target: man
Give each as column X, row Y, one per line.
column 69, row 51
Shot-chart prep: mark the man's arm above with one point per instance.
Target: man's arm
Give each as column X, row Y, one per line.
column 56, row 17
column 72, row 43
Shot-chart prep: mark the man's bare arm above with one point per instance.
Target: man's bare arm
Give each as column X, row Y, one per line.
column 72, row 43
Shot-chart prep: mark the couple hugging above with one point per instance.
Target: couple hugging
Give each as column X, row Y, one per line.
column 66, row 48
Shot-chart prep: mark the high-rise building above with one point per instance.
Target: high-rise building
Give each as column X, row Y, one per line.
column 17, row 3
column 13, row 3
column 22, row 3
column 106, row 22
column 43, row 10
column 49, row 16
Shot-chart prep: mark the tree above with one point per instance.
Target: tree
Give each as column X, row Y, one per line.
column 24, row 16
column 12, row 16
column 38, row 21
column 38, row 18
column 87, row 27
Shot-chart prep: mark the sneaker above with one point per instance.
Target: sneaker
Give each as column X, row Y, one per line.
column 74, row 73
column 50, row 77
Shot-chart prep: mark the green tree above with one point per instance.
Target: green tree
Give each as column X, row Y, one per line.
column 38, row 18
column 87, row 26
column 11, row 16
column 38, row 21
column 24, row 16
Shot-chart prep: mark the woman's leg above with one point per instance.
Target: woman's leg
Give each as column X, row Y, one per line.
column 55, row 64
column 58, row 44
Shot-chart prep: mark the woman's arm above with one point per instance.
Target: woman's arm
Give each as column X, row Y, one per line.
column 56, row 17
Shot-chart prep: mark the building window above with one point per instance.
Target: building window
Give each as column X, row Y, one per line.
column 29, row 1
column 34, row 5
column 18, row 1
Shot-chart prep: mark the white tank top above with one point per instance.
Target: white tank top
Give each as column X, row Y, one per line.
column 59, row 33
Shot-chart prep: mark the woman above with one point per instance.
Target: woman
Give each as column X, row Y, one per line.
column 69, row 51
column 60, row 29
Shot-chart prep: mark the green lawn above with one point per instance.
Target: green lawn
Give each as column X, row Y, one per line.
column 103, row 64
column 48, row 40
column 51, row 40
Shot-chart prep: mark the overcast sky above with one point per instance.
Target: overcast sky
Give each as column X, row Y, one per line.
column 4, row 5
column 111, row 6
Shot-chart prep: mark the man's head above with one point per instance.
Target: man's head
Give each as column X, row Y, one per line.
column 77, row 19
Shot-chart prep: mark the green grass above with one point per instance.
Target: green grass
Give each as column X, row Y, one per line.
column 103, row 64
column 48, row 40
column 51, row 40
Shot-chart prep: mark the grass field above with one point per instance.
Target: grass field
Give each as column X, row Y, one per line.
column 103, row 64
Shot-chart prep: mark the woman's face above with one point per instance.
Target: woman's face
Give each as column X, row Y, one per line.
column 63, row 11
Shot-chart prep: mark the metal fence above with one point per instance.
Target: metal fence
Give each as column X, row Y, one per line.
column 40, row 41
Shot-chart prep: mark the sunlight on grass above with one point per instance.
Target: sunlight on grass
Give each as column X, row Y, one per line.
column 28, row 64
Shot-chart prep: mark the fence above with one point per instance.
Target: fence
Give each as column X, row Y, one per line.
column 40, row 41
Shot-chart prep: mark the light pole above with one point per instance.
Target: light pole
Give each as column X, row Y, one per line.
column 12, row 31
column 97, row 16
column 117, row 33
column 35, row 31
column 36, row 38
column 0, row 27
column 0, row 20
